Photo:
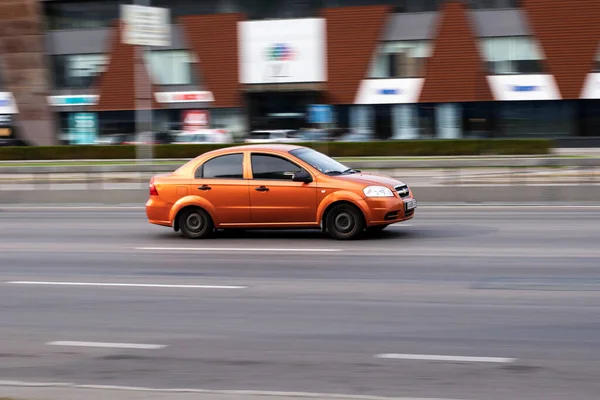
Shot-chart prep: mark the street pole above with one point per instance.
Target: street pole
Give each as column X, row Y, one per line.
column 143, row 104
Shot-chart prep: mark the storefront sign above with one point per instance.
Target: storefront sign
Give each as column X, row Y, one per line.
column 195, row 119
column 389, row 91
column 83, row 128
column 73, row 100
column 7, row 103
column 591, row 88
column 5, row 125
column 282, row 51
column 524, row 87
column 184, row 97
column 320, row 114
column 146, row 26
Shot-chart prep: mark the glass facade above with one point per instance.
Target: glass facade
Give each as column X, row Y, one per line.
column 405, row 59
column 553, row 119
column 172, row 67
column 512, row 55
column 85, row 14
column 77, row 71
column 536, row 118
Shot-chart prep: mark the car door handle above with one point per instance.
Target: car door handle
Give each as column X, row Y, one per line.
column 262, row 189
column 204, row 187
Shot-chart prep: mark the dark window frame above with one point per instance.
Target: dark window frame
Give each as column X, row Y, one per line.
column 300, row 168
column 199, row 172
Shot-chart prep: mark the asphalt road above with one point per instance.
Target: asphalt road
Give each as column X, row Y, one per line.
column 515, row 290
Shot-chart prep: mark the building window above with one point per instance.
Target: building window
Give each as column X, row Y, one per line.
column 512, row 55
column 597, row 63
column 401, row 60
column 549, row 119
column 80, row 14
column 78, row 71
column 491, row 4
column 171, row 67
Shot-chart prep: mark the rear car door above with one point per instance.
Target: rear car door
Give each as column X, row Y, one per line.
column 220, row 180
column 274, row 197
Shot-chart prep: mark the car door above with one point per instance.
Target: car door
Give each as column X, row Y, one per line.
column 220, row 180
column 274, row 197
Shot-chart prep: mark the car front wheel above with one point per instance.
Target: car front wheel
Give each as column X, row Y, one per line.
column 345, row 222
column 195, row 223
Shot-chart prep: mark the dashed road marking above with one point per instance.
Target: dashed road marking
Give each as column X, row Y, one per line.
column 140, row 346
column 138, row 285
column 241, row 249
column 431, row 357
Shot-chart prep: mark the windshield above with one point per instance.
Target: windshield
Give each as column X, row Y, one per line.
column 320, row 161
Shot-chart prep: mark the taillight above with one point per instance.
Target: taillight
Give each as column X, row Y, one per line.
column 153, row 191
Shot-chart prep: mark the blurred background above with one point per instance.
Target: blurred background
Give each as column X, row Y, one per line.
column 347, row 70
column 488, row 109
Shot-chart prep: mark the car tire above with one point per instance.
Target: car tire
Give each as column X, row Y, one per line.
column 345, row 222
column 195, row 223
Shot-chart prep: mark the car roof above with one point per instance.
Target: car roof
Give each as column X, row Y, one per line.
column 260, row 147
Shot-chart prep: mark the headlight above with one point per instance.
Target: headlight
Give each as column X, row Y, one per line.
column 378, row 191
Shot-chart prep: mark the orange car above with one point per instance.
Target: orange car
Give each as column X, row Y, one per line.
column 275, row 186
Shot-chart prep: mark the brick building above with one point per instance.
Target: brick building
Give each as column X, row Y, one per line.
column 394, row 69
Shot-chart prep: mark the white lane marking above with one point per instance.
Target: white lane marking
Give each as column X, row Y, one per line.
column 431, row 357
column 153, row 285
column 140, row 346
column 248, row 393
column 239, row 249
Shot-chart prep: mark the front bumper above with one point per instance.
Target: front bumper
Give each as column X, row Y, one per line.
column 389, row 210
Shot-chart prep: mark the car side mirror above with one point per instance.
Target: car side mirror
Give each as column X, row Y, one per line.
column 302, row 176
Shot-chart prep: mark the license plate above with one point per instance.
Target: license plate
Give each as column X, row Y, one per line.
column 410, row 205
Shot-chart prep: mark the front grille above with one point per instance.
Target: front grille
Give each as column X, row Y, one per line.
column 402, row 191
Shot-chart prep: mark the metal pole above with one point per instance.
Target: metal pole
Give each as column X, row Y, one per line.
column 143, row 112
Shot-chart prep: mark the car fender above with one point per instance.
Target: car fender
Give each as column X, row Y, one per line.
column 192, row 201
column 342, row 195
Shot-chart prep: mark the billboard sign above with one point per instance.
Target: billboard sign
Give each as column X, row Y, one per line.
column 7, row 103
column 195, row 119
column 282, row 51
column 83, row 128
column 146, row 26
column 591, row 89
column 184, row 97
column 524, row 87
column 320, row 114
column 389, row 91
column 73, row 100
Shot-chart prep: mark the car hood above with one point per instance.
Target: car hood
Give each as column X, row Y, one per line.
column 367, row 178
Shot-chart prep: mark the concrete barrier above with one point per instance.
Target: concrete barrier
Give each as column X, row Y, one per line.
column 428, row 194
column 503, row 162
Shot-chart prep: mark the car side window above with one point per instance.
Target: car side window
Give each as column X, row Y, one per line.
column 272, row 167
column 230, row 166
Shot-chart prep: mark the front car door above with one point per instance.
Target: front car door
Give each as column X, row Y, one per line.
column 274, row 197
column 220, row 180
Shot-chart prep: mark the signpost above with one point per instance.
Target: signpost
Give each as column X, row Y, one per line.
column 144, row 26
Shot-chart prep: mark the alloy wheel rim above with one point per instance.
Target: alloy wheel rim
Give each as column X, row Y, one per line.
column 195, row 222
column 344, row 222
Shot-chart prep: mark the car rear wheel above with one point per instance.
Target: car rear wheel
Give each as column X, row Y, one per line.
column 345, row 222
column 195, row 223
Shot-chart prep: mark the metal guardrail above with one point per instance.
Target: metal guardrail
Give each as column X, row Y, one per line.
column 358, row 164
